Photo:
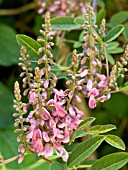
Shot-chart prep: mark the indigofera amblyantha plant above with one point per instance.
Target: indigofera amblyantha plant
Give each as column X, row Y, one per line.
column 50, row 119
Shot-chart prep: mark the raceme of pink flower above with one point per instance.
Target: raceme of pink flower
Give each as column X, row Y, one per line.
column 54, row 128
column 94, row 92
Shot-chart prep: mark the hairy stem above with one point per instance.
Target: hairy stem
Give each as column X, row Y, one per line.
column 9, row 160
column 94, row 5
column 19, row 10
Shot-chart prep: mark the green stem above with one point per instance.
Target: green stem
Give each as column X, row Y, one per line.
column 19, row 10
column 70, row 99
column 91, row 53
column 107, row 67
column 45, row 52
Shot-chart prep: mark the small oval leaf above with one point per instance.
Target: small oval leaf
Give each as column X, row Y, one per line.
column 79, row 21
column 86, row 122
column 77, row 134
column 100, row 15
column 63, row 23
column 118, row 18
column 83, row 150
column 110, row 59
column 111, row 162
column 31, row 45
column 56, row 166
column 114, row 33
column 102, row 128
column 115, row 141
column 125, row 32
column 112, row 45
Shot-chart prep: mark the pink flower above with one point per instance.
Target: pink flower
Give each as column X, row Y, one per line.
column 32, row 97
column 59, row 110
column 93, row 92
column 37, row 141
column 92, row 102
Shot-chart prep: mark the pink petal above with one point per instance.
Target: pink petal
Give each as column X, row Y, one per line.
column 92, row 102
column 48, row 151
column 60, row 111
column 45, row 136
column 93, row 92
column 62, row 153
column 45, row 114
column 71, row 111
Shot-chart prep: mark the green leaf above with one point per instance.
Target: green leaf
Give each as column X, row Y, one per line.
column 56, row 166
column 77, row 44
column 81, row 36
column 84, row 150
column 98, row 37
column 58, row 71
column 124, row 88
column 31, row 45
column 114, row 33
column 68, row 60
column 100, row 15
column 112, row 45
column 79, row 21
column 125, row 32
column 120, row 79
column 86, row 164
column 63, row 23
column 111, row 162
column 77, row 134
column 102, row 128
column 110, row 59
column 115, row 141
column 86, row 122
column 8, row 145
column 118, row 18
column 9, row 50
column 6, row 107
column 116, row 50
column 101, row 3
column 125, row 84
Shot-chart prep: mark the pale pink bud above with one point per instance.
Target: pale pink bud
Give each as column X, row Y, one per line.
column 89, row 85
column 21, row 148
column 71, row 111
column 94, row 63
column 48, row 68
column 88, row 52
column 83, row 60
column 78, row 99
column 100, row 76
column 21, row 157
column 40, row 50
column 46, row 83
column 19, row 138
column 84, row 73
